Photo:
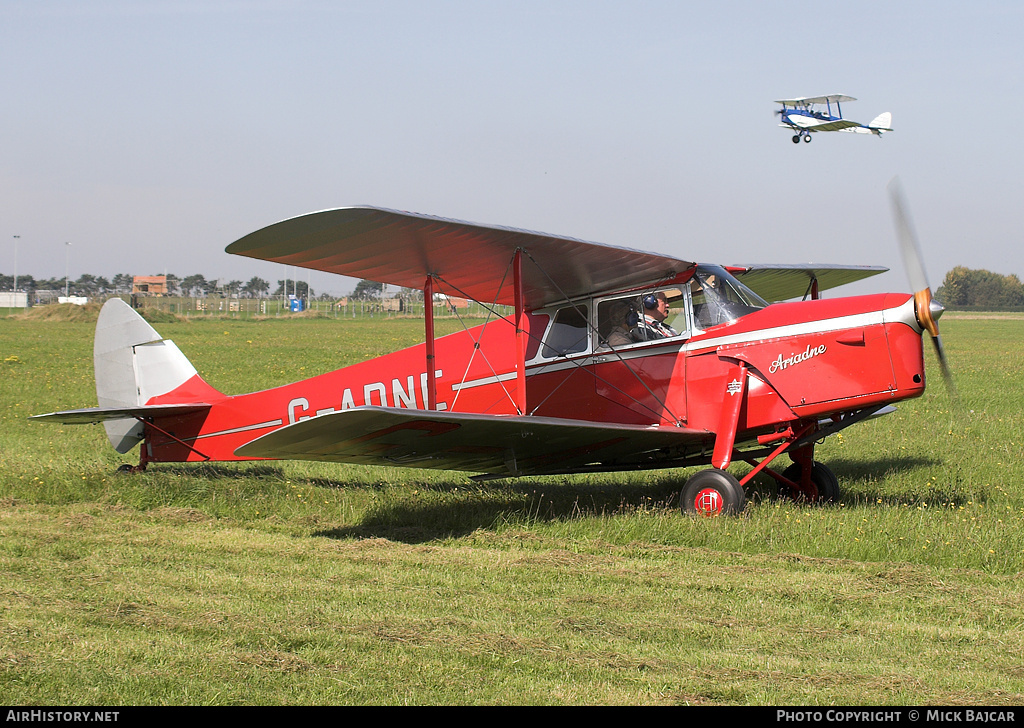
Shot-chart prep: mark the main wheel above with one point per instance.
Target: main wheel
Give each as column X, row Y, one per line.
column 796, row 138
column 824, row 484
column 712, row 493
column 807, row 138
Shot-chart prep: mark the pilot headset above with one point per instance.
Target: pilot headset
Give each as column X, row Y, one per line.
column 626, row 312
column 650, row 301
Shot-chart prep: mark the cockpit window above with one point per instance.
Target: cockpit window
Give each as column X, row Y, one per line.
column 718, row 297
column 637, row 318
column 568, row 333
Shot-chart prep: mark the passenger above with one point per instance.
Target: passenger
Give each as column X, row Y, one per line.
column 626, row 319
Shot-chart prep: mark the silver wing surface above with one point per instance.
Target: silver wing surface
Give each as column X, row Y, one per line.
column 783, row 282
column 805, row 100
column 467, row 260
column 497, row 445
column 820, row 125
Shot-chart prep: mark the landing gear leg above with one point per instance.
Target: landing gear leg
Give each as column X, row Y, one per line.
column 143, row 461
column 808, row 480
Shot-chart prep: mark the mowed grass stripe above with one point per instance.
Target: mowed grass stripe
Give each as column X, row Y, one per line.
column 306, row 583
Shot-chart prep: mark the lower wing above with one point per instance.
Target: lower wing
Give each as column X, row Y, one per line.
column 837, row 125
column 497, row 445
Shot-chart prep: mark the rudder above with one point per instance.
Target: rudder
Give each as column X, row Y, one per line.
column 882, row 122
column 133, row 364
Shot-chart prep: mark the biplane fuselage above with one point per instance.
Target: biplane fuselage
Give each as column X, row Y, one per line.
column 612, row 359
column 805, row 361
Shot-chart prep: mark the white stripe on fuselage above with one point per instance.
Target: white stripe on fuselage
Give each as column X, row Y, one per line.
column 859, row 320
column 903, row 314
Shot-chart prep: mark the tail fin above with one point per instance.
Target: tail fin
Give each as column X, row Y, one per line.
column 882, row 122
column 134, row 365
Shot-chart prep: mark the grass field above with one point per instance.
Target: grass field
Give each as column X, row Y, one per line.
column 306, row 583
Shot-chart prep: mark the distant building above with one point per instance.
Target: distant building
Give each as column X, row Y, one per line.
column 13, row 299
column 451, row 302
column 150, row 285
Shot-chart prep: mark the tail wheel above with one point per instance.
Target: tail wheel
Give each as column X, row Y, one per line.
column 823, row 487
column 713, row 493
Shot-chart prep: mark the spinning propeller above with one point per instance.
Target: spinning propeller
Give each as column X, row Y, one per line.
column 926, row 308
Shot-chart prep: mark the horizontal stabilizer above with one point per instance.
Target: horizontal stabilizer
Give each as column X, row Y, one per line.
column 500, row 445
column 93, row 415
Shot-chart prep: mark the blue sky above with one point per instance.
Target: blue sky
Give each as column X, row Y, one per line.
column 150, row 135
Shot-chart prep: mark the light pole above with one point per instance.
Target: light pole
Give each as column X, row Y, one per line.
column 67, row 253
column 16, row 239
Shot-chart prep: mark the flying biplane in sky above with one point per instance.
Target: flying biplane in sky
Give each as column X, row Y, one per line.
column 825, row 113
column 611, row 359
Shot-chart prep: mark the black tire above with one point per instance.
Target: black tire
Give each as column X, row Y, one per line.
column 796, row 138
column 807, row 138
column 824, row 484
column 712, row 493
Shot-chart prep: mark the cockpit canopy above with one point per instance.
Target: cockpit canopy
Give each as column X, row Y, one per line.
column 712, row 296
column 718, row 297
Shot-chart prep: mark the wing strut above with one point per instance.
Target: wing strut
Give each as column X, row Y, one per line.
column 514, row 399
column 428, row 307
column 517, row 284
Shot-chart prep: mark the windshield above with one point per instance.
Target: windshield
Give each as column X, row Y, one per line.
column 719, row 298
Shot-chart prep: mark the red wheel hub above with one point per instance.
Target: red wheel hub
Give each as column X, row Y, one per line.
column 709, row 502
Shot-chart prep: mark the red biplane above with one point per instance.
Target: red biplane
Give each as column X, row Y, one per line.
column 612, row 360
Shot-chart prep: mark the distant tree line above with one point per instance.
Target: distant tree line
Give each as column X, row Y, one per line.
column 964, row 287
column 190, row 286
column 367, row 290
column 85, row 285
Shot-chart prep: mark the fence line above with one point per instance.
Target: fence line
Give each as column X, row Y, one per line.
column 211, row 306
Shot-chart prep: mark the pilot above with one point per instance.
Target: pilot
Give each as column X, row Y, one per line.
column 652, row 326
column 626, row 319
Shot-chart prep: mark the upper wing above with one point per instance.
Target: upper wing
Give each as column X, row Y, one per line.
column 782, row 282
column 466, row 259
column 841, row 98
column 469, row 442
